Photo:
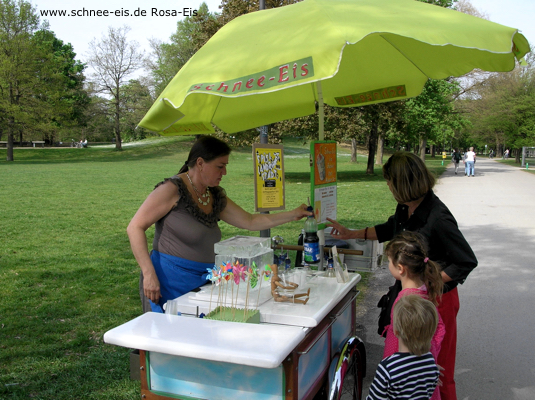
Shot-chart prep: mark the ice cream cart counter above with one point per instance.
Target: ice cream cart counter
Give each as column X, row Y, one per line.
column 291, row 354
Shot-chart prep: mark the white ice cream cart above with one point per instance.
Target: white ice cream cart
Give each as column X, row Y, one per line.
column 296, row 351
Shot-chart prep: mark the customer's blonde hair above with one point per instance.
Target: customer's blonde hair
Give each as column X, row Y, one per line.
column 408, row 176
column 415, row 322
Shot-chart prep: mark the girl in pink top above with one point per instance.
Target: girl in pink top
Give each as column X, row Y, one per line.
column 408, row 262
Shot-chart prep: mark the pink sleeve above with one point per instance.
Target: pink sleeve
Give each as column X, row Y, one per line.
column 391, row 341
column 436, row 342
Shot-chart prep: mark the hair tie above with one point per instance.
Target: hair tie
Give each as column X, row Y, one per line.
column 426, row 260
column 186, row 162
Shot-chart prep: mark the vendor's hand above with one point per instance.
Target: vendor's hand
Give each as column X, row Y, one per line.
column 339, row 231
column 151, row 288
column 301, row 212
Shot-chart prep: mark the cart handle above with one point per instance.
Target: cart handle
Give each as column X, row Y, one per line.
column 301, row 248
column 310, row 346
column 333, row 320
column 347, row 305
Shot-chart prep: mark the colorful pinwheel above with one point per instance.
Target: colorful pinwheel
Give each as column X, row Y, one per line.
column 253, row 271
column 239, row 272
column 267, row 272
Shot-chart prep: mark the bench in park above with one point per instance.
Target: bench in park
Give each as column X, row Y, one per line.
column 4, row 143
column 41, row 142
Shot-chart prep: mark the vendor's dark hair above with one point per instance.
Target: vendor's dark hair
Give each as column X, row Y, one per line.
column 409, row 177
column 409, row 249
column 208, row 148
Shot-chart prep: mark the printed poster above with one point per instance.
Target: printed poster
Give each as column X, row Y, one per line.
column 323, row 180
column 324, row 163
column 325, row 203
column 269, row 177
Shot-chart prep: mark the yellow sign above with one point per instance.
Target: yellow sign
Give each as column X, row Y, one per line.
column 269, row 177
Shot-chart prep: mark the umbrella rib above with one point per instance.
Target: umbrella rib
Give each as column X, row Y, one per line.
column 215, row 110
column 404, row 55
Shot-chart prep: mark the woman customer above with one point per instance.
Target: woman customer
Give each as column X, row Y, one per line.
column 420, row 210
column 186, row 209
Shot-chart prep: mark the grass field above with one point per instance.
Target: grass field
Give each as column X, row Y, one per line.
column 66, row 268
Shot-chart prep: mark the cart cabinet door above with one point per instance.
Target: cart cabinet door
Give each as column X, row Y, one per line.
column 202, row 379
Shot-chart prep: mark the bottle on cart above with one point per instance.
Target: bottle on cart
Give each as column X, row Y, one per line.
column 330, row 268
column 311, row 242
column 299, row 254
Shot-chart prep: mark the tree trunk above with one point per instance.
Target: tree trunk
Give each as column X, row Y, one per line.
column 380, row 149
column 423, row 145
column 432, row 149
column 372, row 146
column 353, row 150
column 10, row 138
column 9, row 147
column 118, row 145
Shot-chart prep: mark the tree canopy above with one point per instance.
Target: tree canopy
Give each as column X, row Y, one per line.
column 41, row 83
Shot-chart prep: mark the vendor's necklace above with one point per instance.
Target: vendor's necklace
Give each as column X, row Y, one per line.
column 204, row 195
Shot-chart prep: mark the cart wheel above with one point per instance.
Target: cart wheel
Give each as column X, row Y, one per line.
column 349, row 372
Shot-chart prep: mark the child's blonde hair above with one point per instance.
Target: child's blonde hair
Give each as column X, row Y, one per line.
column 408, row 249
column 415, row 323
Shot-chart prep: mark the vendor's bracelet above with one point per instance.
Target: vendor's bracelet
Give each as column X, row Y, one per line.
column 366, row 233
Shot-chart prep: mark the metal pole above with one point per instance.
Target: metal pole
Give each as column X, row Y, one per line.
column 264, row 138
column 321, row 112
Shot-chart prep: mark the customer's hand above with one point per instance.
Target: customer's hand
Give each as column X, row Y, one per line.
column 339, row 231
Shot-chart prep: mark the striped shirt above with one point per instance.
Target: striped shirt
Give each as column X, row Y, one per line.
column 405, row 376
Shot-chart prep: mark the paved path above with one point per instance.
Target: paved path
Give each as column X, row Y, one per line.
column 495, row 211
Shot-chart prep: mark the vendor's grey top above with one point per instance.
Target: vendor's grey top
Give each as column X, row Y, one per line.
column 186, row 231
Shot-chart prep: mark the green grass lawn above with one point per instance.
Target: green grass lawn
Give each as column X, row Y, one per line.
column 67, row 271
column 512, row 162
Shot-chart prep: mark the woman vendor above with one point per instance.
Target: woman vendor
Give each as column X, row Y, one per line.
column 420, row 210
column 186, row 209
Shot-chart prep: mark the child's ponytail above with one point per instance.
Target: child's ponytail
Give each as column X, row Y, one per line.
column 432, row 279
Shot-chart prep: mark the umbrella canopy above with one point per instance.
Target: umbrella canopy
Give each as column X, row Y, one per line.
column 275, row 64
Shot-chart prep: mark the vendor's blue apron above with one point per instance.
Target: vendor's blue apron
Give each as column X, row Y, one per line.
column 177, row 276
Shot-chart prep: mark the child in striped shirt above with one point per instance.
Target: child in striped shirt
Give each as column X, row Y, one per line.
column 410, row 373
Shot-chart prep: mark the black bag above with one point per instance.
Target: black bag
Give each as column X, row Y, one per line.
column 385, row 304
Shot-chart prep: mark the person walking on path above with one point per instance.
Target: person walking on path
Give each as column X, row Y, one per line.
column 470, row 160
column 456, row 158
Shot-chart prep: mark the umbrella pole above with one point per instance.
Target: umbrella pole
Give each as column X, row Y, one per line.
column 321, row 113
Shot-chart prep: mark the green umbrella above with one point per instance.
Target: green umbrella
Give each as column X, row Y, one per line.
column 277, row 64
